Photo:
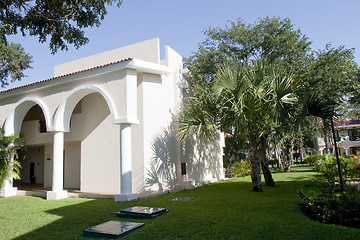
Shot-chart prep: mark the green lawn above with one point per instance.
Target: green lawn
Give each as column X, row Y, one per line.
column 224, row 210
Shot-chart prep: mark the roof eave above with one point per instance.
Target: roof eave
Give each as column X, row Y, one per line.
column 136, row 64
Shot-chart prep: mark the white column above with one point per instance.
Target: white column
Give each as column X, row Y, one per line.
column 347, row 151
column 8, row 190
column 126, row 193
column 58, row 169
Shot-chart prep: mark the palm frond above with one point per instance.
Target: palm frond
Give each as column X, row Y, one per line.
column 9, row 166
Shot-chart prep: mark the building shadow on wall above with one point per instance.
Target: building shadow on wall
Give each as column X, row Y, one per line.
column 203, row 161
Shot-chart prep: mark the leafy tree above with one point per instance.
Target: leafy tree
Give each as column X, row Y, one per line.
column 9, row 166
column 332, row 75
column 252, row 98
column 272, row 38
column 274, row 43
column 247, row 99
column 13, row 60
column 59, row 22
column 320, row 76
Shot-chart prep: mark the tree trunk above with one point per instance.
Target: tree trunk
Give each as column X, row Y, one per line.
column 278, row 155
column 255, row 168
column 290, row 158
column 286, row 160
column 264, row 163
column 326, row 140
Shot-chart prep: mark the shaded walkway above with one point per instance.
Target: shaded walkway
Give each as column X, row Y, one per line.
column 28, row 189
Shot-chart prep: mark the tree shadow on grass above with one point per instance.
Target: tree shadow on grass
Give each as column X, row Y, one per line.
column 225, row 210
column 75, row 218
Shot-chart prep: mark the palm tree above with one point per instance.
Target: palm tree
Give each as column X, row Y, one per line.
column 9, row 166
column 250, row 101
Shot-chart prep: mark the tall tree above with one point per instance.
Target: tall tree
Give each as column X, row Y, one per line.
column 328, row 74
column 272, row 38
column 246, row 100
column 275, row 43
column 331, row 76
column 60, row 22
column 13, row 61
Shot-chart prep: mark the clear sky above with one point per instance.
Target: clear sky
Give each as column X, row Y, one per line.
column 180, row 25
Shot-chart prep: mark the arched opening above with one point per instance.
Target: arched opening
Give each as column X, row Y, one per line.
column 88, row 143
column 33, row 131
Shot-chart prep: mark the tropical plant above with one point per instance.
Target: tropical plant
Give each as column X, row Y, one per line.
column 240, row 168
column 9, row 166
column 247, row 101
column 327, row 164
column 254, row 100
column 313, row 160
column 333, row 206
column 284, row 49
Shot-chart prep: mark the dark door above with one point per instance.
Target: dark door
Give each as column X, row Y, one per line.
column 32, row 173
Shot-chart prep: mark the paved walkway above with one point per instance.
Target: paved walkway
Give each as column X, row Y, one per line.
column 29, row 189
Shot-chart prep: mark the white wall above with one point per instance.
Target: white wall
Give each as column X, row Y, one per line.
column 30, row 133
column 147, row 50
column 100, row 161
column 72, row 165
column 159, row 100
column 100, row 146
column 137, row 140
column 161, row 150
column 203, row 160
column 36, row 155
column 48, row 165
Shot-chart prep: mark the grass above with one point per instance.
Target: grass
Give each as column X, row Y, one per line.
column 224, row 210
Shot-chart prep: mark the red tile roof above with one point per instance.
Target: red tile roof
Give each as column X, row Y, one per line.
column 68, row 74
column 347, row 122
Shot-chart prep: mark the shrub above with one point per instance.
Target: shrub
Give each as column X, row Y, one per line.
column 327, row 165
column 240, row 168
column 333, row 206
column 314, row 160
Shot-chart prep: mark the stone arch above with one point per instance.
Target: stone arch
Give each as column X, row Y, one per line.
column 18, row 112
column 64, row 111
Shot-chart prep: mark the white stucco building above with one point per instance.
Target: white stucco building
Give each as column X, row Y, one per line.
column 347, row 135
column 106, row 124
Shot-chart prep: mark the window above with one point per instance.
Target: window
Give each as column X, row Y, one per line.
column 42, row 126
column 337, row 136
column 354, row 135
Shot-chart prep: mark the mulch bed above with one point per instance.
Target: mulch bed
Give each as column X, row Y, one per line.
column 317, row 216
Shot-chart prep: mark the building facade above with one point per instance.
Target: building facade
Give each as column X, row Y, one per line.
column 347, row 135
column 107, row 124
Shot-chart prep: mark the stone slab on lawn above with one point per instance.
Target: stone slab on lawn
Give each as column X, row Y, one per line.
column 141, row 212
column 112, row 229
column 183, row 199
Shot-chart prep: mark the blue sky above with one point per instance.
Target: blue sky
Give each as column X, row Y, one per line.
column 180, row 24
